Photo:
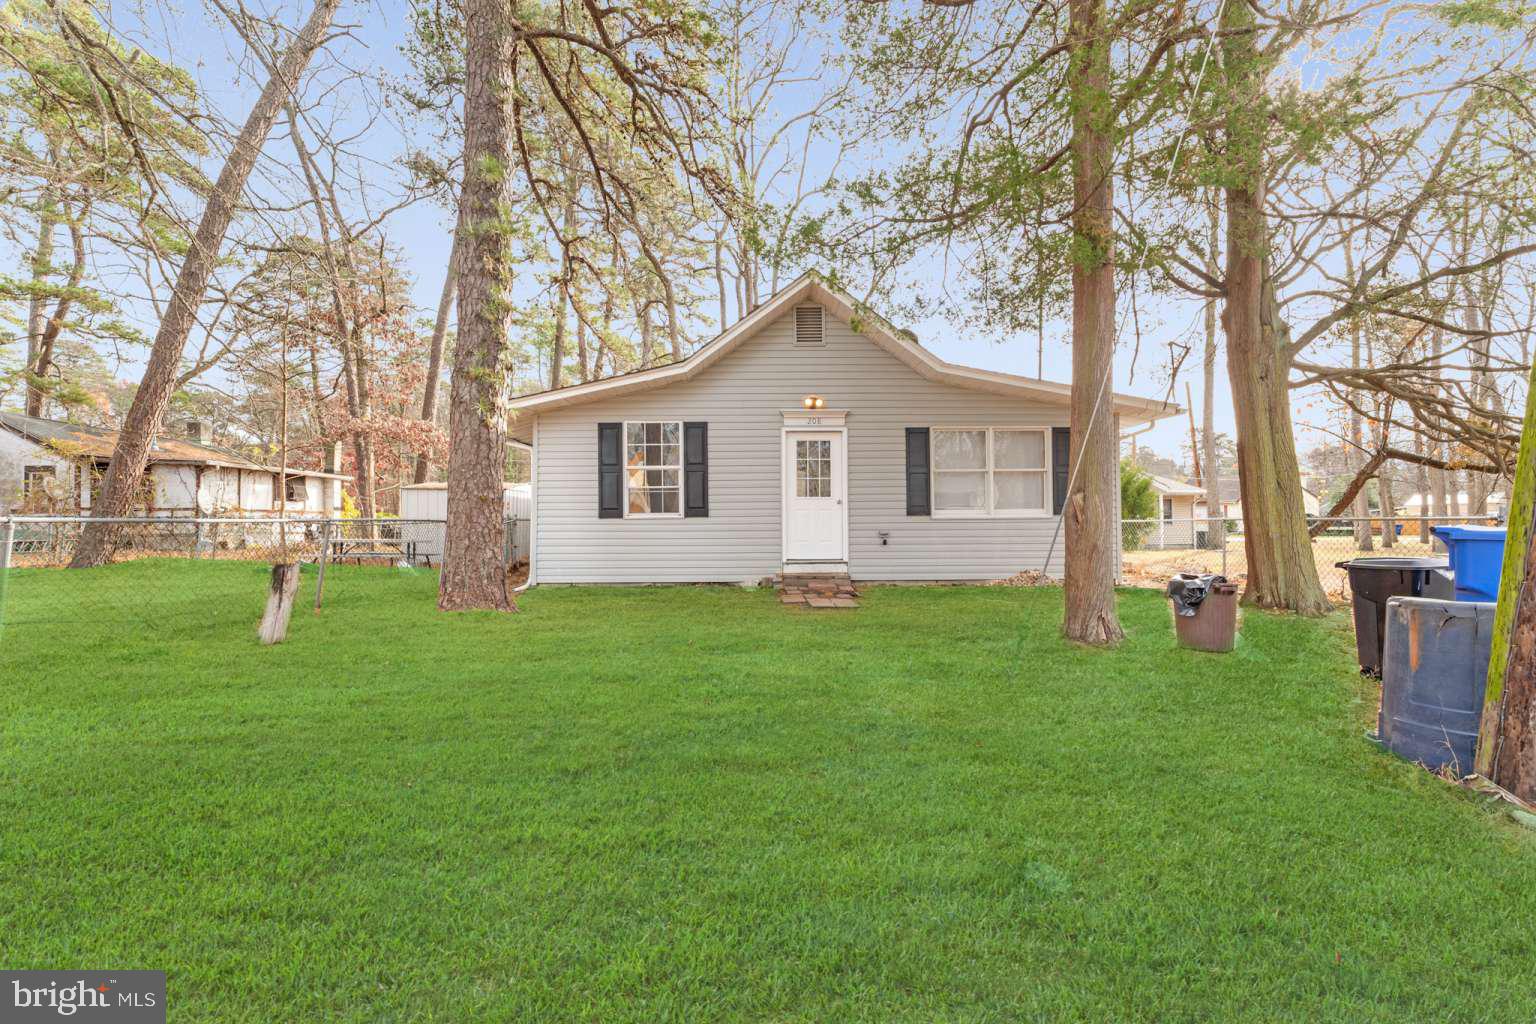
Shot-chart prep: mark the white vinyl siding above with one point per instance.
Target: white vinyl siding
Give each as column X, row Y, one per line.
column 742, row 399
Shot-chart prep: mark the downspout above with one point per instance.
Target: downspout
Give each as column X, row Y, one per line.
column 533, row 510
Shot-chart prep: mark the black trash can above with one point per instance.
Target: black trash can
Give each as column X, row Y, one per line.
column 1372, row 581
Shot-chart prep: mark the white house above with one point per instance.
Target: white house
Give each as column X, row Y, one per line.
column 47, row 466
column 1177, row 512
column 1415, row 506
column 1232, row 503
column 810, row 436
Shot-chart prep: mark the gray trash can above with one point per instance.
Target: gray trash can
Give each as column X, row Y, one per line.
column 1432, row 680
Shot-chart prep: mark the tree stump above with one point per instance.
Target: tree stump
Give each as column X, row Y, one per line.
column 280, row 594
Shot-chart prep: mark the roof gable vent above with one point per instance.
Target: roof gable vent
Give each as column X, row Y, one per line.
column 809, row 326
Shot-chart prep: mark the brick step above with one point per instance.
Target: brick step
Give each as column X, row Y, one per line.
column 818, row 591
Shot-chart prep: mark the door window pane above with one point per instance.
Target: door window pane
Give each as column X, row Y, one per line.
column 813, row 469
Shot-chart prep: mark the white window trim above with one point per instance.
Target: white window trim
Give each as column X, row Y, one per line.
column 682, row 457
column 1044, row 512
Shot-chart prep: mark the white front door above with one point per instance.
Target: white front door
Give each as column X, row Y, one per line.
column 814, row 485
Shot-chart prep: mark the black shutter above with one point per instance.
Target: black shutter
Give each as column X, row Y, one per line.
column 918, row 503
column 695, row 470
column 1061, row 461
column 610, row 471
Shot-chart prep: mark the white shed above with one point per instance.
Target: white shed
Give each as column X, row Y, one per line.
column 429, row 503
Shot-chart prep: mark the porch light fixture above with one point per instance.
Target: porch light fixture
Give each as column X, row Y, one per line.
column 813, row 401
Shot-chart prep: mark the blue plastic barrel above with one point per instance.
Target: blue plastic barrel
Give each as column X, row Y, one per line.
column 1477, row 558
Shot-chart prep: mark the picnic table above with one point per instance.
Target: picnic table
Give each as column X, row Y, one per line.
column 362, row 549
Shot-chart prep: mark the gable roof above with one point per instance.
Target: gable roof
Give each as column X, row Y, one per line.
column 871, row 326
column 1168, row 486
column 74, row 440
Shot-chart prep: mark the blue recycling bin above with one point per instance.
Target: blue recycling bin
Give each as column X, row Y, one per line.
column 1477, row 558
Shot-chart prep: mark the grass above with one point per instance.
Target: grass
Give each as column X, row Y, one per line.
column 694, row 804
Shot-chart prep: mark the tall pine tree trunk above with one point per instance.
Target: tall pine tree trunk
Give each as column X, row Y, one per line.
column 1090, row 505
column 153, row 397
column 1282, row 572
column 474, row 565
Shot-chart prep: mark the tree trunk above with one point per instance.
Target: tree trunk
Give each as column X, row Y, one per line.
column 1506, row 745
column 1282, row 572
column 562, row 290
column 42, row 268
column 674, row 328
column 1091, row 499
column 583, row 369
column 720, row 279
column 281, row 589
column 1439, row 498
column 41, row 357
column 1421, row 481
column 1384, row 494
column 344, row 308
column 1362, row 509
column 435, row 355
column 647, row 344
column 474, row 565
column 1216, row 538
column 153, row 397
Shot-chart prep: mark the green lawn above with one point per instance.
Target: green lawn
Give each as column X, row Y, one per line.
column 695, row 805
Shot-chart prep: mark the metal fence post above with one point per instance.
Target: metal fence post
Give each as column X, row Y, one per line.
column 325, row 554
column 7, row 542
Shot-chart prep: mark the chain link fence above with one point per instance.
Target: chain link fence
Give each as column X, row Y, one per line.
column 198, row 570
column 1156, row 549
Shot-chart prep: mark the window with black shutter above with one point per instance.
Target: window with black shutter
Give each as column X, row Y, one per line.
column 695, row 470
column 1061, row 459
column 918, row 497
column 610, row 471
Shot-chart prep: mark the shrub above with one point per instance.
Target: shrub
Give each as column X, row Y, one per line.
column 1137, row 501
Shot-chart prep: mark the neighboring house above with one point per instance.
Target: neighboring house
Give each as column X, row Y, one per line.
column 1176, row 527
column 810, row 436
column 51, row 466
column 1230, row 493
column 1498, row 505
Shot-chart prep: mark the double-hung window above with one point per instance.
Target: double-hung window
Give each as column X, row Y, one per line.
column 653, row 469
column 991, row 471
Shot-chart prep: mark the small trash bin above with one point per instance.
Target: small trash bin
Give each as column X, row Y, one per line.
column 1204, row 612
column 1372, row 581
column 1477, row 559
